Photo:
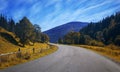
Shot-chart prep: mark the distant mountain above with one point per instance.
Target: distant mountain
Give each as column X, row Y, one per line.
column 60, row 31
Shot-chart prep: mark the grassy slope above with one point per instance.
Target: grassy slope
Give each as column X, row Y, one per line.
column 6, row 47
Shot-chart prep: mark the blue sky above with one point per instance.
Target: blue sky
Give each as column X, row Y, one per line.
column 52, row 13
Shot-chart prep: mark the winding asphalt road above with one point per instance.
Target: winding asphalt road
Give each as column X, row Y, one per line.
column 68, row 59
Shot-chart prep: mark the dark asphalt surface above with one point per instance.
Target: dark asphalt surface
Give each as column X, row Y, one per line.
column 68, row 59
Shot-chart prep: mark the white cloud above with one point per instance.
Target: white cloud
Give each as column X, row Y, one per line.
column 98, row 16
column 51, row 13
column 81, row 11
column 51, row 2
column 35, row 9
column 18, row 14
column 27, row 1
column 57, row 18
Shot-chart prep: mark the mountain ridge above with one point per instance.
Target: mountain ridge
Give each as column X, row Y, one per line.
column 59, row 31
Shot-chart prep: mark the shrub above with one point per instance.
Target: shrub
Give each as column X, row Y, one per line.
column 96, row 43
column 26, row 56
column 112, row 46
column 117, row 40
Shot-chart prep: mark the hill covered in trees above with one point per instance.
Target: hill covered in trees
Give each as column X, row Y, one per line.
column 60, row 31
column 104, row 32
column 24, row 30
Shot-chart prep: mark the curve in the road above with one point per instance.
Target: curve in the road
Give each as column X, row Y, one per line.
column 68, row 59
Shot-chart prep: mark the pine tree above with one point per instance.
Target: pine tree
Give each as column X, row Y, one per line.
column 24, row 30
column 3, row 22
column 11, row 25
column 38, row 33
column 44, row 38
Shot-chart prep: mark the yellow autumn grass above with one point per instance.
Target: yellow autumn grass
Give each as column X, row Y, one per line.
column 26, row 54
column 14, row 60
column 6, row 46
column 111, row 51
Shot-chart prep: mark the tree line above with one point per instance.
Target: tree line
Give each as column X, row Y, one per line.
column 104, row 32
column 24, row 30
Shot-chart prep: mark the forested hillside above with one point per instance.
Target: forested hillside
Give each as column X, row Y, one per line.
column 104, row 32
column 24, row 30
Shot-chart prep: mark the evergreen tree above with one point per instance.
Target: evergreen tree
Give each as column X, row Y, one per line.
column 38, row 33
column 24, row 30
column 104, row 31
column 44, row 38
column 71, row 38
column 11, row 25
column 3, row 22
column 60, row 40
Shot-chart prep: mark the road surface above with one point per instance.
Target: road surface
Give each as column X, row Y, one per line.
column 68, row 59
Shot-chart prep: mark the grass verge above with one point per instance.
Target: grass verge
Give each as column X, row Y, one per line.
column 15, row 59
